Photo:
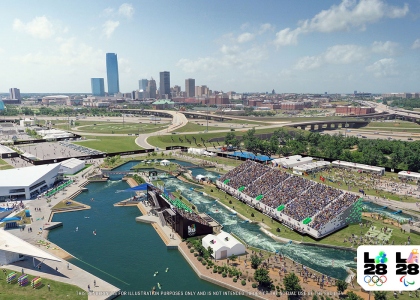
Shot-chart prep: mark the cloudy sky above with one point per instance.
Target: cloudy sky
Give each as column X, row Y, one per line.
column 240, row 45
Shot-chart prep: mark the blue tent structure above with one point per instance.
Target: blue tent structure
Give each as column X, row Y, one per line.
column 2, row 107
column 249, row 155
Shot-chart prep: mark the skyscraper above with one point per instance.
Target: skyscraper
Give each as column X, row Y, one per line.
column 151, row 88
column 143, row 84
column 112, row 73
column 165, row 84
column 98, row 86
column 190, row 87
column 15, row 94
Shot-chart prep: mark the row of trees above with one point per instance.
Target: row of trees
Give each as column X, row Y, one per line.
column 406, row 103
column 393, row 154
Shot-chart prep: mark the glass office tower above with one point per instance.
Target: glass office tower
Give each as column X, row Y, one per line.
column 112, row 73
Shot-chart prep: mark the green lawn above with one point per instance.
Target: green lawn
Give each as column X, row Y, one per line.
column 163, row 141
column 110, row 143
column 397, row 124
column 126, row 128
column 193, row 127
column 4, row 165
column 244, row 122
column 58, row 290
column 2, row 162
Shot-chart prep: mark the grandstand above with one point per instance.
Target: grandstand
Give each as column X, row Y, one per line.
column 301, row 204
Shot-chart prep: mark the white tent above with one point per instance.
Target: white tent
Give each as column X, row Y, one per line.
column 29, row 155
column 72, row 166
column 224, row 245
column 200, row 177
column 165, row 162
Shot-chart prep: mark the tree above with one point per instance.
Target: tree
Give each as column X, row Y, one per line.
column 353, row 296
column 341, row 286
column 255, row 261
column 262, row 277
column 210, row 250
column 291, row 284
column 379, row 295
column 231, row 139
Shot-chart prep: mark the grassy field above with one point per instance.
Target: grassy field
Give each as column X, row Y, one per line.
column 398, row 124
column 132, row 128
column 110, row 143
column 244, row 122
column 163, row 141
column 193, row 127
column 58, row 290
column 4, row 165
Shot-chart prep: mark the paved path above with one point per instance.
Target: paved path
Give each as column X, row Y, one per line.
column 74, row 275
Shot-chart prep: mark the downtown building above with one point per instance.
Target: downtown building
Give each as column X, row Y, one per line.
column 112, row 74
column 98, row 87
column 190, row 87
column 165, row 85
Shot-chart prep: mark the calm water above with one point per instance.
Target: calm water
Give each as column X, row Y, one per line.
column 124, row 253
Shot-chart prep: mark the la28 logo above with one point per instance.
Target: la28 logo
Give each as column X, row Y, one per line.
column 404, row 267
column 375, row 266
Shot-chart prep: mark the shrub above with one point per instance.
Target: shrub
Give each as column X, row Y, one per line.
column 273, row 287
column 193, row 207
column 220, row 271
column 204, row 262
column 224, row 274
column 243, row 282
column 189, row 246
column 214, row 270
column 254, row 285
column 195, row 254
column 277, row 287
column 207, row 267
column 252, row 215
column 211, row 190
column 192, row 250
column 235, row 279
column 199, row 258
column 230, row 201
column 278, row 294
column 278, row 229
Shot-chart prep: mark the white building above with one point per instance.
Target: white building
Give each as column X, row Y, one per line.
column 409, row 175
column 14, row 249
column 72, row 166
column 358, row 167
column 27, row 182
column 224, row 245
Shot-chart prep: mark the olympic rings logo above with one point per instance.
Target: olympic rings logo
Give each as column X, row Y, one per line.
column 375, row 280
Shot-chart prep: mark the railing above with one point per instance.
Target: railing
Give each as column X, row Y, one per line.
column 162, row 219
column 59, row 188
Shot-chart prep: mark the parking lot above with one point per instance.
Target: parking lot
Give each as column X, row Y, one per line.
column 51, row 150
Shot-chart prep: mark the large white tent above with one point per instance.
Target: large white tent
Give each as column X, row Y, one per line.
column 224, row 245
column 72, row 166
column 13, row 249
column 165, row 162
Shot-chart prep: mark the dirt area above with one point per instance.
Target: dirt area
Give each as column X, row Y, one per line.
column 310, row 288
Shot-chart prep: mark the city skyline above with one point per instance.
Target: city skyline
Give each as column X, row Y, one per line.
column 329, row 46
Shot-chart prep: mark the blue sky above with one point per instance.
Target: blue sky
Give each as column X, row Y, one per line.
column 240, row 45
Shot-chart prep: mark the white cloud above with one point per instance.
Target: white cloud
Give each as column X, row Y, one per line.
column 388, row 48
column 39, row 27
column 109, row 27
column 245, row 37
column 287, row 37
column 343, row 17
column 126, row 10
column 65, row 52
column 344, row 54
column 265, row 27
column 385, row 67
column 245, row 26
column 228, row 57
column 335, row 55
column 416, row 44
column 108, row 12
column 308, row 63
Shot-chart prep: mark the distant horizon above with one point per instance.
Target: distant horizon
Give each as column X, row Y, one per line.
column 320, row 46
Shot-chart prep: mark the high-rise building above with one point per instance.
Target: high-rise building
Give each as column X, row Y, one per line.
column 190, row 87
column 112, row 73
column 15, row 94
column 98, row 86
column 151, row 88
column 143, row 84
column 165, row 84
